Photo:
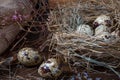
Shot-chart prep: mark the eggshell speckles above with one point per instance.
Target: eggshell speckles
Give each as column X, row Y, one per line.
column 102, row 20
column 29, row 57
column 105, row 36
column 50, row 68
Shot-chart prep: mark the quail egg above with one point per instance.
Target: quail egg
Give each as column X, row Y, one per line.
column 100, row 29
column 105, row 37
column 29, row 57
column 102, row 20
column 84, row 29
column 50, row 68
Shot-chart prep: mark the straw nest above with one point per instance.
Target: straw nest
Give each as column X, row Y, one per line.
column 84, row 49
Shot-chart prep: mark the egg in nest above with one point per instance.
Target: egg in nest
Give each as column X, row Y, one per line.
column 102, row 20
column 100, row 29
column 84, row 29
column 105, row 37
column 29, row 57
column 50, row 68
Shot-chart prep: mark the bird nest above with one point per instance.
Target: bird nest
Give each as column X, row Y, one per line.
column 83, row 50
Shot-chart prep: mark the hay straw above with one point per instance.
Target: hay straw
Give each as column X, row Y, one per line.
column 63, row 22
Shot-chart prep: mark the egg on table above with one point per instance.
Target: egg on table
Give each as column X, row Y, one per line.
column 50, row 68
column 102, row 20
column 29, row 57
column 100, row 29
column 84, row 29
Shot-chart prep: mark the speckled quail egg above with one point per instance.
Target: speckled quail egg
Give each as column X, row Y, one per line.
column 29, row 57
column 84, row 29
column 105, row 37
column 50, row 68
column 100, row 29
column 102, row 20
